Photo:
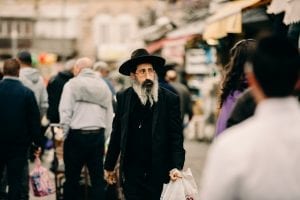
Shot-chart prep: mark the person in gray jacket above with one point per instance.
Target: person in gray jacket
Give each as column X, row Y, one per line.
column 86, row 114
column 32, row 79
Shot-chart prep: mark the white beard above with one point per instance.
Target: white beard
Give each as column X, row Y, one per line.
column 144, row 95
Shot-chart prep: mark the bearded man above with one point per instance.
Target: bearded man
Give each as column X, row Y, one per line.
column 147, row 131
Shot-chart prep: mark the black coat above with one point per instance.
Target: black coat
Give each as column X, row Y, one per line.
column 167, row 136
column 19, row 118
column 54, row 89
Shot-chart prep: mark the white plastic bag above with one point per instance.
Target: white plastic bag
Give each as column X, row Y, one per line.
column 181, row 189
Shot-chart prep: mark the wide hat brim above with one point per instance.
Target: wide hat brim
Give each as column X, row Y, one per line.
column 129, row 65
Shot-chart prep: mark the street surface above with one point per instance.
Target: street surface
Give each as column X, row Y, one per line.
column 195, row 158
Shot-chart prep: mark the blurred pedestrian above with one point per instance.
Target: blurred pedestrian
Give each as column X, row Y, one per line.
column 55, row 88
column 86, row 114
column 234, row 82
column 183, row 93
column 161, row 74
column 102, row 69
column 32, row 79
column 147, row 131
column 20, row 126
column 259, row 158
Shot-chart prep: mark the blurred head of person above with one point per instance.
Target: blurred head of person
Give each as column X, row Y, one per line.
column 234, row 77
column 274, row 68
column 24, row 57
column 69, row 66
column 171, row 75
column 142, row 69
column 11, row 67
column 82, row 63
column 102, row 68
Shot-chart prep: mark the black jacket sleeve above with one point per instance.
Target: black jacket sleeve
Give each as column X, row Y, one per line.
column 115, row 139
column 175, row 131
column 33, row 117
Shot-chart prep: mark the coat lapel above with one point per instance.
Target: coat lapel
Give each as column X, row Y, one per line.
column 156, row 111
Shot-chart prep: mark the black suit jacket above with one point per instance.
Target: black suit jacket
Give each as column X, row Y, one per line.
column 167, row 136
column 19, row 118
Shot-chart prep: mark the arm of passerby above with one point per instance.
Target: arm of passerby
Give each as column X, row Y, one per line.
column 175, row 174
column 109, row 118
column 110, row 177
column 66, row 106
column 43, row 99
column 33, row 119
column 175, row 133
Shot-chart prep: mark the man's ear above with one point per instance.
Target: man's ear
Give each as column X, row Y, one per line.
column 254, row 84
column 132, row 76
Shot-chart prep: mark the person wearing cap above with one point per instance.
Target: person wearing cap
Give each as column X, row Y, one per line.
column 147, row 131
column 86, row 115
column 20, row 127
column 32, row 79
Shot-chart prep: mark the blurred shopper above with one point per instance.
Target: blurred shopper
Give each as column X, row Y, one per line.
column 259, row 158
column 243, row 108
column 32, row 79
column 147, row 131
column 183, row 93
column 162, row 78
column 234, row 82
column 20, row 126
column 55, row 88
column 102, row 69
column 86, row 114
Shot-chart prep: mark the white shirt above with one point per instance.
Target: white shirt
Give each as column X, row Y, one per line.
column 258, row 159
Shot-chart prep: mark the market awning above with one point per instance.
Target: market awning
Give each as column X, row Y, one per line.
column 157, row 45
column 290, row 7
column 292, row 12
column 228, row 18
column 188, row 29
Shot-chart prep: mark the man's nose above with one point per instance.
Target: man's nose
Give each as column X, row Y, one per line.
column 148, row 75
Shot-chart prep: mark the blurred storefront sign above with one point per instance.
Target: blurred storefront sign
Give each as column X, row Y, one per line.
column 173, row 51
column 196, row 62
column 228, row 18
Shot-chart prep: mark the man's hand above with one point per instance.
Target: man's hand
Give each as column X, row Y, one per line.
column 175, row 174
column 110, row 177
column 37, row 152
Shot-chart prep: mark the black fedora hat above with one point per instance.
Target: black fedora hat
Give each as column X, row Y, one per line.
column 141, row 56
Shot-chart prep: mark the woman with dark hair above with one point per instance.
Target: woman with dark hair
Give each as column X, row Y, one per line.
column 234, row 82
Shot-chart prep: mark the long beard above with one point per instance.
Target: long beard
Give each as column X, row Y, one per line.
column 146, row 93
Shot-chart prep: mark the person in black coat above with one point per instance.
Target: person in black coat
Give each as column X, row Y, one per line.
column 147, row 131
column 19, row 127
column 54, row 89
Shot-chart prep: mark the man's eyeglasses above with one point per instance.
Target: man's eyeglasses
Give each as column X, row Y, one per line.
column 143, row 72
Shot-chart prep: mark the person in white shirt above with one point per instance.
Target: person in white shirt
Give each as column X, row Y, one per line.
column 86, row 114
column 260, row 157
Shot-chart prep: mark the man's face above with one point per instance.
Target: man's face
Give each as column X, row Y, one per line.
column 145, row 75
